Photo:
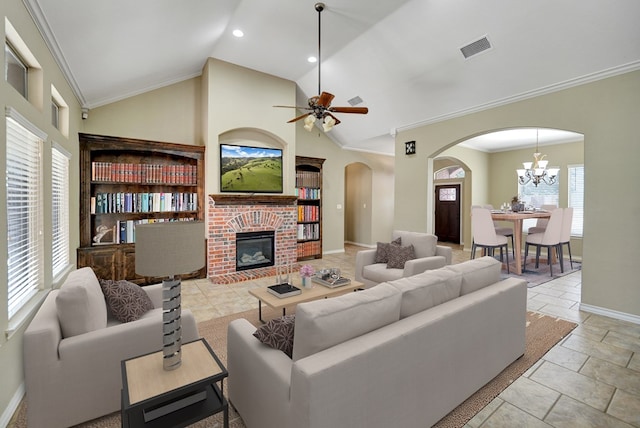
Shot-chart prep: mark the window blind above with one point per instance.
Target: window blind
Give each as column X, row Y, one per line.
column 60, row 208
column 24, row 210
column 576, row 198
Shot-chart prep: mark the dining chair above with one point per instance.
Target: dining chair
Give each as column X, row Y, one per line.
column 504, row 231
column 548, row 239
column 565, row 236
column 485, row 236
column 541, row 223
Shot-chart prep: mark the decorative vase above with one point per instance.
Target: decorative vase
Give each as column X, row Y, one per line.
column 306, row 282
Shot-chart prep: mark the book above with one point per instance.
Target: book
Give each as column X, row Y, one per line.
column 284, row 290
column 330, row 282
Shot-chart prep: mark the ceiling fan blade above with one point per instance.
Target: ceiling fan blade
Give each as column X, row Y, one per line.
column 358, row 110
column 325, row 99
column 295, row 119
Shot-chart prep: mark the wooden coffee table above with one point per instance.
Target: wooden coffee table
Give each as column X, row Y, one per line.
column 318, row 291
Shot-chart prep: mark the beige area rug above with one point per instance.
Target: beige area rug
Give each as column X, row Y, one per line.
column 542, row 333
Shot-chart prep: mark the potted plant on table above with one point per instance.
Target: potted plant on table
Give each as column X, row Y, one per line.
column 306, row 272
column 516, row 204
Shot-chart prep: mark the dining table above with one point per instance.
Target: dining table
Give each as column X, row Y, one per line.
column 517, row 217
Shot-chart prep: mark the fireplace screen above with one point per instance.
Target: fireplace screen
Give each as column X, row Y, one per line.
column 254, row 250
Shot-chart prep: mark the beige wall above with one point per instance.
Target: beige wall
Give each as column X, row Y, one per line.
column 38, row 113
column 606, row 113
column 169, row 114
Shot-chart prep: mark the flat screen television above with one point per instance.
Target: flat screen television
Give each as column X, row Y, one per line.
column 246, row 169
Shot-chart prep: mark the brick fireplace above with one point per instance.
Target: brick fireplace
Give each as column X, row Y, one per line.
column 237, row 214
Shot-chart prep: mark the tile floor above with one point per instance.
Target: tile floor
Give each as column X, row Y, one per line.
column 590, row 379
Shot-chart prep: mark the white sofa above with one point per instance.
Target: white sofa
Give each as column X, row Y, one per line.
column 428, row 255
column 403, row 353
column 73, row 350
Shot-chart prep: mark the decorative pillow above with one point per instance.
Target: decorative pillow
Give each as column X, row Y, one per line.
column 382, row 252
column 399, row 255
column 126, row 301
column 278, row 333
column 324, row 323
column 80, row 304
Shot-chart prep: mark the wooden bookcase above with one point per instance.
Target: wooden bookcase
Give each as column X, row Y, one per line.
column 124, row 182
column 309, row 194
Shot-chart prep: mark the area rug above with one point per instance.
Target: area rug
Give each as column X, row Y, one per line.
column 542, row 333
column 536, row 276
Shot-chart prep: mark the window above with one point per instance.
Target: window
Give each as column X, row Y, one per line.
column 576, row 197
column 449, row 172
column 15, row 70
column 55, row 114
column 60, row 204
column 536, row 196
column 24, row 210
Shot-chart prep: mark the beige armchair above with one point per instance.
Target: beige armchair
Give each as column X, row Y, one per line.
column 428, row 255
column 73, row 350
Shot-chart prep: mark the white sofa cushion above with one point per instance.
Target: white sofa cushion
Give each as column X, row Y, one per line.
column 380, row 273
column 477, row 273
column 424, row 245
column 322, row 324
column 428, row 289
column 80, row 304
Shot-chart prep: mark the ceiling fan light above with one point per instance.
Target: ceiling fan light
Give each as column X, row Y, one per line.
column 308, row 122
column 328, row 124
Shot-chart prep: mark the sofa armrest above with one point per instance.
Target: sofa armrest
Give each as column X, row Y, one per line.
column 259, row 378
column 416, row 266
column 364, row 258
column 155, row 294
column 446, row 252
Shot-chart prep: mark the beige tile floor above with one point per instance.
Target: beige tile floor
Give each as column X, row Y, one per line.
column 590, row 379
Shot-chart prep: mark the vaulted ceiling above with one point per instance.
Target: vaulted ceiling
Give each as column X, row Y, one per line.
column 402, row 57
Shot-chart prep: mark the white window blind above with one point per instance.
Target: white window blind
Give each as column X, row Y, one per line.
column 24, row 210
column 60, row 205
column 576, row 198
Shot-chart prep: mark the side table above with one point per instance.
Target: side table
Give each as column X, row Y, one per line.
column 154, row 397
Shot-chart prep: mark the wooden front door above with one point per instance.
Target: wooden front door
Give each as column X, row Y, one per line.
column 447, row 213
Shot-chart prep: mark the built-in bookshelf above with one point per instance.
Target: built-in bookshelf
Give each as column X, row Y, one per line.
column 125, row 182
column 309, row 194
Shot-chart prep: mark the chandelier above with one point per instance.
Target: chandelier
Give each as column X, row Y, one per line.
column 537, row 170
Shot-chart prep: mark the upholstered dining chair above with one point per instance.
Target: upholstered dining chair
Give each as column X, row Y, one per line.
column 504, row 231
column 541, row 223
column 548, row 239
column 565, row 236
column 485, row 236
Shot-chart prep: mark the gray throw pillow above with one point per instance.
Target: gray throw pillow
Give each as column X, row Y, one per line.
column 278, row 333
column 399, row 255
column 382, row 252
column 126, row 301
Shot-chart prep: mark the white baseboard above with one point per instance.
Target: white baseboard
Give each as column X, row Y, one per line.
column 622, row 316
column 6, row 416
column 360, row 244
column 333, row 251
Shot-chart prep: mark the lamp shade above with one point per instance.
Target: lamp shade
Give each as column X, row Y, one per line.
column 169, row 248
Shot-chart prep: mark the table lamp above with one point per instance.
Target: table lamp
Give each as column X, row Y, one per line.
column 170, row 249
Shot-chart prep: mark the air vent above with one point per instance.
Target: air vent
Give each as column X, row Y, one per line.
column 476, row 47
column 355, row 101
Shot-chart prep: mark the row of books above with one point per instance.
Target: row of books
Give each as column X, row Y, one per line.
column 122, row 202
column 308, row 213
column 144, row 173
column 124, row 231
column 307, row 193
column 307, row 179
column 308, row 249
column 308, row 231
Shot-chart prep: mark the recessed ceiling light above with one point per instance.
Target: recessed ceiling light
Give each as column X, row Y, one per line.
column 312, row 59
column 238, row 33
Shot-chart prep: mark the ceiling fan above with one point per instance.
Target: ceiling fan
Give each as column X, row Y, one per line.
column 320, row 105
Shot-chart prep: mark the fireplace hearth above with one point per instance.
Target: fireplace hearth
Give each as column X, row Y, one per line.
column 254, row 250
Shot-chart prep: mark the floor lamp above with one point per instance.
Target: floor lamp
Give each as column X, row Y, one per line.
column 167, row 250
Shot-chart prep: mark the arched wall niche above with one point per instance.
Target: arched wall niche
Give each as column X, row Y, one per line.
column 261, row 138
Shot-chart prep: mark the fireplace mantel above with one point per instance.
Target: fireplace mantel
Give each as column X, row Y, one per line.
column 253, row 199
